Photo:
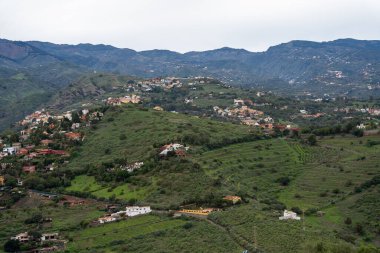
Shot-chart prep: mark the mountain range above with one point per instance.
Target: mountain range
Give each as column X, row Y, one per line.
column 32, row 71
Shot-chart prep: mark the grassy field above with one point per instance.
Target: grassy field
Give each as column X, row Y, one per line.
column 86, row 183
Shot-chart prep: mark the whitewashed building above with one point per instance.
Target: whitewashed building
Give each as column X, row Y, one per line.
column 289, row 215
column 10, row 150
column 22, row 237
column 49, row 237
column 137, row 210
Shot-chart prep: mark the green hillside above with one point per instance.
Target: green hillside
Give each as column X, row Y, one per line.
column 326, row 183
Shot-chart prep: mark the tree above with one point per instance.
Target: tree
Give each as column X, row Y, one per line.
column 12, row 246
column 75, row 118
column 358, row 132
column 312, row 140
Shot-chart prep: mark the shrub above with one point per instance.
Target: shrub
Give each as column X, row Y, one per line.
column 284, row 181
column 12, row 246
column 187, row 225
column 348, row 221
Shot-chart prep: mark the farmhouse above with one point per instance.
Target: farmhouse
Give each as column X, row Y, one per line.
column 137, row 210
column 289, row 215
column 133, row 211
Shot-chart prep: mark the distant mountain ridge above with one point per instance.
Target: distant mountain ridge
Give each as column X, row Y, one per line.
column 341, row 67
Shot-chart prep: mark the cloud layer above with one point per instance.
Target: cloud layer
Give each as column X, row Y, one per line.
column 188, row 25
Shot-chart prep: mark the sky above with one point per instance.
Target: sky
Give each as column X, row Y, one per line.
column 188, row 25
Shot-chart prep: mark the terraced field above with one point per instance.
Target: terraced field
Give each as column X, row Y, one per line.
column 336, row 167
column 152, row 234
column 252, row 167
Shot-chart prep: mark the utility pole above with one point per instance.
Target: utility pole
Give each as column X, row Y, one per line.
column 255, row 237
column 303, row 220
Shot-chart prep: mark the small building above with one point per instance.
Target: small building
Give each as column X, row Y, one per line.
column 49, row 237
column 177, row 148
column 73, row 136
column 289, row 215
column 107, row 219
column 137, row 210
column 2, row 181
column 46, row 142
column 50, row 167
column 203, row 212
column 29, row 169
column 23, row 151
column 233, row 199
column 22, row 237
column 10, row 150
column 158, row 108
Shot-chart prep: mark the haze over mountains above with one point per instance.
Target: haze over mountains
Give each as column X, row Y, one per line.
column 30, row 72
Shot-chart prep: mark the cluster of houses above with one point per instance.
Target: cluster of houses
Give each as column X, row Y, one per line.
column 48, row 126
column 164, row 83
column 173, row 149
column 48, row 242
column 132, row 167
column 133, row 99
column 306, row 115
column 244, row 114
column 130, row 211
column 370, row 111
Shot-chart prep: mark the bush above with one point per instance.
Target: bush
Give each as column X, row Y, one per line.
column 187, row 225
column 312, row 140
column 12, row 246
column 284, row 181
column 296, row 210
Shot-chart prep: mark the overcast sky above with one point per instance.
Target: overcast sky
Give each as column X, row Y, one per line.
column 187, row 25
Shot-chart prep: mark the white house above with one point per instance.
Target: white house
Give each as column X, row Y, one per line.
column 238, row 102
column 289, row 215
column 49, row 237
column 361, row 126
column 10, row 150
column 22, row 237
column 137, row 210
